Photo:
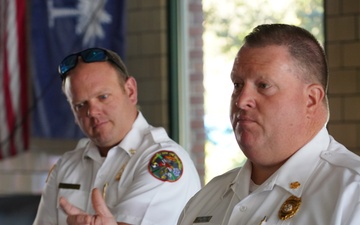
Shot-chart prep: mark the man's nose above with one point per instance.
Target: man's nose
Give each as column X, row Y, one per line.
column 246, row 98
column 93, row 109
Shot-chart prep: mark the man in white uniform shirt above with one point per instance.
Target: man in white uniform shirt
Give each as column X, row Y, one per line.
column 295, row 172
column 144, row 176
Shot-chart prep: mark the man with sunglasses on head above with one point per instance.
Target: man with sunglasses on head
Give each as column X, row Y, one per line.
column 144, row 176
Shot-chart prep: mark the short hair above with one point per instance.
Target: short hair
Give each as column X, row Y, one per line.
column 302, row 45
column 118, row 64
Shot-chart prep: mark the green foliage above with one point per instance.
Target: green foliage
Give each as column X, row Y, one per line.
column 310, row 13
column 231, row 20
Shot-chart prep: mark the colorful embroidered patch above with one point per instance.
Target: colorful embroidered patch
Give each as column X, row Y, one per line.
column 166, row 166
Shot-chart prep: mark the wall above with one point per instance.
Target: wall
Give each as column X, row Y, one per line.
column 342, row 37
column 147, row 49
column 197, row 111
column 147, row 60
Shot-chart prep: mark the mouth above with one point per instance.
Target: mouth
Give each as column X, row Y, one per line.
column 245, row 120
column 241, row 117
column 96, row 125
column 241, row 120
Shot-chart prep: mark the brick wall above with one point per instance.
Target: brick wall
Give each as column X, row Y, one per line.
column 146, row 58
column 195, row 54
column 343, row 50
column 147, row 52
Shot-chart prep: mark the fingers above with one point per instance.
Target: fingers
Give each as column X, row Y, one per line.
column 75, row 215
column 78, row 217
column 68, row 208
column 99, row 204
column 81, row 219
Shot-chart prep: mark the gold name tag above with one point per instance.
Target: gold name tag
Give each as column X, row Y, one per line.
column 69, row 186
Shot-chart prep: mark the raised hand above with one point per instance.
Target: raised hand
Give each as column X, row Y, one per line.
column 78, row 217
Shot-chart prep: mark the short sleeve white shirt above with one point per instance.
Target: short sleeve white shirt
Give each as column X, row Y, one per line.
column 319, row 184
column 132, row 191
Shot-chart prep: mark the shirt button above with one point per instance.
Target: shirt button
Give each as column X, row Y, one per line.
column 243, row 208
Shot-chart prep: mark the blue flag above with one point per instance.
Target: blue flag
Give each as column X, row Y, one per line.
column 59, row 28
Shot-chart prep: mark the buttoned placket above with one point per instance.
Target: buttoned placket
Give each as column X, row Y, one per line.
column 105, row 178
column 248, row 204
column 241, row 212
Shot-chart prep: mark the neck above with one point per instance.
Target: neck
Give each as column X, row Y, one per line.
column 103, row 151
column 260, row 174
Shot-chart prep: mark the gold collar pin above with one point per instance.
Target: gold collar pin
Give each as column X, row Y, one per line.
column 295, row 185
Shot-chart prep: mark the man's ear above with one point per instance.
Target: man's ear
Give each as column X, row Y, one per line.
column 316, row 95
column 131, row 89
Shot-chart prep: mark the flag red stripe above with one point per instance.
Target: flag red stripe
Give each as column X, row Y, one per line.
column 15, row 137
column 10, row 117
column 2, row 71
column 22, row 55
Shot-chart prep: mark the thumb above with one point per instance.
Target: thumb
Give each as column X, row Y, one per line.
column 68, row 208
column 99, row 204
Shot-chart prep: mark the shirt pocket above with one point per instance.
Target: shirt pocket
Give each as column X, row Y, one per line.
column 77, row 198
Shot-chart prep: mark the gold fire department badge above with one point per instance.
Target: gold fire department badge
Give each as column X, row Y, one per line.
column 289, row 208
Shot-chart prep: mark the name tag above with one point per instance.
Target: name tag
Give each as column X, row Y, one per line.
column 202, row 219
column 69, row 186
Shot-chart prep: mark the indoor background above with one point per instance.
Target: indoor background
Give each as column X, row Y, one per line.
column 164, row 52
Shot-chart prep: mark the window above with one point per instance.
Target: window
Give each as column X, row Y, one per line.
column 225, row 26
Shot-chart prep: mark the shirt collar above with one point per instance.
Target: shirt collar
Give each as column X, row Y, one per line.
column 241, row 183
column 298, row 169
column 134, row 138
column 293, row 175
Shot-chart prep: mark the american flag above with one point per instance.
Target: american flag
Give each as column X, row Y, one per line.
column 14, row 129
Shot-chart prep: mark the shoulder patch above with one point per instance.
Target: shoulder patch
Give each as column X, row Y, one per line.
column 166, row 166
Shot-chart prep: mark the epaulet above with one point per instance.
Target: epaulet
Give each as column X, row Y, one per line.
column 166, row 165
column 159, row 135
column 347, row 160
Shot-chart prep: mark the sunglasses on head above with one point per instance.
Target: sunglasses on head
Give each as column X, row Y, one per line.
column 89, row 55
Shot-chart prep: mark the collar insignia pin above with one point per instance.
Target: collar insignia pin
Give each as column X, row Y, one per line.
column 132, row 151
column 295, row 185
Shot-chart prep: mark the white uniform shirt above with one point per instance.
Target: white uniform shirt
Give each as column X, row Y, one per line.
column 132, row 192
column 322, row 179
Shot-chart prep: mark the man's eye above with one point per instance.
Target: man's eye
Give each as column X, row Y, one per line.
column 78, row 106
column 102, row 97
column 237, row 85
column 264, row 85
